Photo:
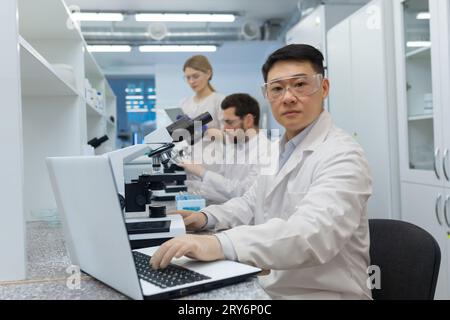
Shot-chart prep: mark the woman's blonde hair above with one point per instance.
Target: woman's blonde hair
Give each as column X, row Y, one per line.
column 200, row 63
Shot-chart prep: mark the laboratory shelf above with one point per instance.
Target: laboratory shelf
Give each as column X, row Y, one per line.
column 47, row 20
column 419, row 53
column 92, row 111
column 38, row 76
column 92, row 70
column 420, row 117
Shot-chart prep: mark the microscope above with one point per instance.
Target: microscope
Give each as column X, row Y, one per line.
column 163, row 176
column 147, row 173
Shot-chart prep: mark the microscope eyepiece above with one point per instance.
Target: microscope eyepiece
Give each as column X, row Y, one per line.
column 205, row 118
column 189, row 126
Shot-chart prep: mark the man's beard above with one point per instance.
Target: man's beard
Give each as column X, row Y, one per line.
column 240, row 137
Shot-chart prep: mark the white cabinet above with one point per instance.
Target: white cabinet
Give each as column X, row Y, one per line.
column 428, row 207
column 44, row 66
column 313, row 28
column 423, row 73
column 101, row 114
column 363, row 99
column 59, row 117
column 422, row 32
column 11, row 169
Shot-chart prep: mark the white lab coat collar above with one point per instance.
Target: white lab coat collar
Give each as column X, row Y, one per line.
column 312, row 141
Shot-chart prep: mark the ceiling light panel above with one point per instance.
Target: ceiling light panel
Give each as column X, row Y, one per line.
column 178, row 48
column 109, row 48
column 184, row 17
column 94, row 16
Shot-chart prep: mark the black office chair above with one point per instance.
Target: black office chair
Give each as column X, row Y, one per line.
column 408, row 258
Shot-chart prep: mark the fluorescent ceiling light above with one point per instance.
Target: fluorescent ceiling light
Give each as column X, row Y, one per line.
column 184, row 17
column 418, row 44
column 179, row 48
column 424, row 16
column 93, row 16
column 105, row 48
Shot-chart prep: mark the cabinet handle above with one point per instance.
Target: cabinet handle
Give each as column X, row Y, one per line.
column 436, row 156
column 438, row 201
column 444, row 164
column 447, row 221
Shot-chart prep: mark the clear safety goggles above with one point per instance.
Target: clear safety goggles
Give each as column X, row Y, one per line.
column 299, row 85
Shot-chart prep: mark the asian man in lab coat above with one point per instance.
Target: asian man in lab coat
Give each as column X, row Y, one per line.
column 308, row 223
column 245, row 147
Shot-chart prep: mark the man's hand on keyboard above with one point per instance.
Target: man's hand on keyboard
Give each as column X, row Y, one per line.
column 199, row 247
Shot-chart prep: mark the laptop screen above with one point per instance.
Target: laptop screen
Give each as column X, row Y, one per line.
column 94, row 226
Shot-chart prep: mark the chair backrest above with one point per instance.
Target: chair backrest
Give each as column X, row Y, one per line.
column 408, row 258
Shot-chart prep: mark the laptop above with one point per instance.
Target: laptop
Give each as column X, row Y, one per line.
column 98, row 242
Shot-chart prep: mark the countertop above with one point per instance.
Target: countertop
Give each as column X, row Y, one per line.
column 47, row 276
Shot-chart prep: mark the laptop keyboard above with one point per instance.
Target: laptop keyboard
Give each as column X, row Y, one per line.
column 171, row 276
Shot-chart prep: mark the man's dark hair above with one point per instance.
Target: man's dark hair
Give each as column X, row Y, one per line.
column 295, row 52
column 244, row 104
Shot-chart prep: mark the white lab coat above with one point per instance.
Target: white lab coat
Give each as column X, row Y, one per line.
column 228, row 181
column 308, row 223
column 211, row 104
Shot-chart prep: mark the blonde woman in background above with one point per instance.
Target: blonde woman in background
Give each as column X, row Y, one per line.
column 198, row 74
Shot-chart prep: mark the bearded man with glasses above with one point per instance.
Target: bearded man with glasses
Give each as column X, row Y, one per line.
column 245, row 150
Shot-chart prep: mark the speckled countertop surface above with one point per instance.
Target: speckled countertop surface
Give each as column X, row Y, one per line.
column 47, row 275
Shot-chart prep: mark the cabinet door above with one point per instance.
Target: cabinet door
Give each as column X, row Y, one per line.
column 361, row 104
column 423, row 206
column 444, row 29
column 310, row 30
column 447, row 233
column 372, row 104
column 339, row 73
column 419, row 99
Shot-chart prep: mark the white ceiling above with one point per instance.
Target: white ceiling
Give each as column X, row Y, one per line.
column 280, row 13
column 253, row 9
column 272, row 12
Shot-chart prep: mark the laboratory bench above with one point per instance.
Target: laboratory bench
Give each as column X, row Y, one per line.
column 47, row 275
